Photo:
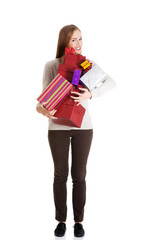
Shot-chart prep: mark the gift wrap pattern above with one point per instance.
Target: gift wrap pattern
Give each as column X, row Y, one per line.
column 93, row 77
column 55, row 92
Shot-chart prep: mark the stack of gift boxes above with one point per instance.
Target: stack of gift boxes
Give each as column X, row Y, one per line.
column 76, row 72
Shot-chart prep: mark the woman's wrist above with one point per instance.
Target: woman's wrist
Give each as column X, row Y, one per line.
column 38, row 108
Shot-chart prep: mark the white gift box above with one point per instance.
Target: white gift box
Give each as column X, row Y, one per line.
column 93, row 78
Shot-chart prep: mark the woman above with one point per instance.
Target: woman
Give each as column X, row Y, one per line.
column 59, row 137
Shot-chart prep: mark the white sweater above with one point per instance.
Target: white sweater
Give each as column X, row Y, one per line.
column 50, row 71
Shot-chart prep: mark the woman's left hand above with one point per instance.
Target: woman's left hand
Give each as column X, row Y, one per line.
column 82, row 96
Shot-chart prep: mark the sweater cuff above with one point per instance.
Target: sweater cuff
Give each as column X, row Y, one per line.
column 94, row 93
column 37, row 104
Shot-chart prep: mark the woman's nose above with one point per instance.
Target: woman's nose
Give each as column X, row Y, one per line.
column 78, row 43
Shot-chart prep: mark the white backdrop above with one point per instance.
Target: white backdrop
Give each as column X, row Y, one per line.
column 123, row 166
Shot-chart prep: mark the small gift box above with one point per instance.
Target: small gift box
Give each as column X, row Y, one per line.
column 85, row 64
column 88, row 68
column 66, row 71
column 55, row 92
column 76, row 76
column 74, row 60
column 93, row 77
column 69, row 114
column 69, row 51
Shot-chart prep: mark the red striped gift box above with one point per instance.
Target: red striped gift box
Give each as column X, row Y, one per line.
column 66, row 71
column 55, row 92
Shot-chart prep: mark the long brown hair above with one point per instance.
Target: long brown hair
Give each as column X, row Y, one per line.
column 64, row 38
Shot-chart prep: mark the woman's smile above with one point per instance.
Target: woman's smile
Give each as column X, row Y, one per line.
column 77, row 48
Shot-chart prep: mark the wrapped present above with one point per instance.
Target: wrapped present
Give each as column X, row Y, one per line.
column 55, row 92
column 88, row 68
column 69, row 114
column 76, row 76
column 74, row 60
column 94, row 77
column 69, row 50
column 66, row 71
column 85, row 64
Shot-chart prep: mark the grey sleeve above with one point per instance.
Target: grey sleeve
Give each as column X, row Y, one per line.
column 107, row 85
column 47, row 75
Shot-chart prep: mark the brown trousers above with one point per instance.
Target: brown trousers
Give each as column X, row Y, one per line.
column 59, row 141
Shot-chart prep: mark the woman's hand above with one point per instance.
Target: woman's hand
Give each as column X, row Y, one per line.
column 85, row 95
column 41, row 109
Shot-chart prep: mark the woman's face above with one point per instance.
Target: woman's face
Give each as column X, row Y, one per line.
column 76, row 42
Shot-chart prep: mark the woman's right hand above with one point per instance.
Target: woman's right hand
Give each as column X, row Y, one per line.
column 41, row 109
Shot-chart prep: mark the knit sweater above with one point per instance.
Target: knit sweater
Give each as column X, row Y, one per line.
column 50, row 71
